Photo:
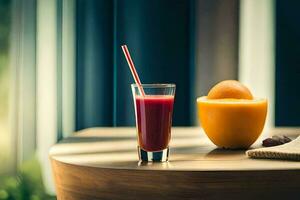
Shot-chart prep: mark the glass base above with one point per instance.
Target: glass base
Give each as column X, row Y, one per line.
column 157, row 156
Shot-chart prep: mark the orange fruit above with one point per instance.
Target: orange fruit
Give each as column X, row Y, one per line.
column 229, row 89
column 230, row 116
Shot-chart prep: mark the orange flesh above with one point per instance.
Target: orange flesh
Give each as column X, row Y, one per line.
column 232, row 123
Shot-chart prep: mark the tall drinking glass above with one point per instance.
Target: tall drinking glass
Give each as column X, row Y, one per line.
column 153, row 114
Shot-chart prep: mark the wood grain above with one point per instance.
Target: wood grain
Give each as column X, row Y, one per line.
column 102, row 164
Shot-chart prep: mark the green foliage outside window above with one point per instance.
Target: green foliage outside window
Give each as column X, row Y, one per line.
column 26, row 185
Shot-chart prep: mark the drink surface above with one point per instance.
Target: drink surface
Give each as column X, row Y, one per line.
column 154, row 121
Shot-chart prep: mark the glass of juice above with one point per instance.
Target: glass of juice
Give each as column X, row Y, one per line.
column 153, row 114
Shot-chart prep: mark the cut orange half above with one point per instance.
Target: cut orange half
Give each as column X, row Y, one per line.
column 232, row 123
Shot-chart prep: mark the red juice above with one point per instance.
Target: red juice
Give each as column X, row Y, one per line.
column 154, row 121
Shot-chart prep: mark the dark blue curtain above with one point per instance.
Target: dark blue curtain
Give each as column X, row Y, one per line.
column 160, row 35
column 157, row 34
column 287, row 109
column 95, row 63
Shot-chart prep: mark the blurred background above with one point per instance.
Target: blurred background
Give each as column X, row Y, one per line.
column 62, row 68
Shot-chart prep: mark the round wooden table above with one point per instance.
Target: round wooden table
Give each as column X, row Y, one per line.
column 102, row 163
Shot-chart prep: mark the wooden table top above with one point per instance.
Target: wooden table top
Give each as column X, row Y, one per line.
column 114, row 151
column 190, row 150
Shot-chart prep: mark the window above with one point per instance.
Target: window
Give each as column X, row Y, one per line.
column 5, row 29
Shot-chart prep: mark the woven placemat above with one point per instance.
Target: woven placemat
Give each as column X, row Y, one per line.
column 288, row 151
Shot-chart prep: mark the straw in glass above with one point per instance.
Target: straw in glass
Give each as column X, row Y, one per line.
column 132, row 69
